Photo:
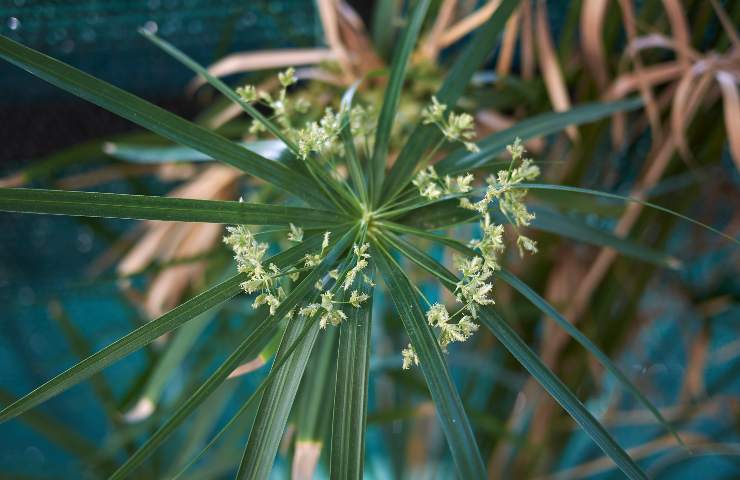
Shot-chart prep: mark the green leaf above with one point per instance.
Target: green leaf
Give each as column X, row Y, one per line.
column 147, row 333
column 126, row 345
column 582, row 339
column 319, row 175
column 392, row 96
column 250, row 346
column 267, row 382
column 536, row 126
column 561, row 393
column 448, row 213
column 349, row 421
column 353, row 162
column 385, row 17
column 572, row 227
column 314, row 392
column 623, row 198
column 468, row 61
column 156, row 119
column 272, row 415
column 219, row 85
column 531, row 362
column 177, row 350
column 141, row 207
column 157, row 154
column 454, row 421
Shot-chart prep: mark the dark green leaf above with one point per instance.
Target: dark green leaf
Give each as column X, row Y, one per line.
column 531, row 362
column 141, row 207
column 536, row 126
column 572, row 227
column 156, row 154
column 351, row 395
column 454, row 421
column 272, row 415
column 582, row 339
column 156, row 119
column 147, row 333
column 392, row 96
column 469, row 60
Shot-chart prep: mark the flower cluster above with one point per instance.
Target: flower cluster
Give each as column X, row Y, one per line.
column 475, row 287
column 248, row 253
column 280, row 105
column 456, row 127
column 501, row 188
column 433, row 187
column 270, row 282
column 409, row 357
column 331, row 314
column 320, row 137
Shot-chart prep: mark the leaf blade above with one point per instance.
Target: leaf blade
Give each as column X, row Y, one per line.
column 535, row 126
column 154, row 118
column 349, row 419
column 529, row 360
column 460, row 74
column 392, row 96
column 277, row 399
column 142, row 207
column 452, row 416
column 145, row 334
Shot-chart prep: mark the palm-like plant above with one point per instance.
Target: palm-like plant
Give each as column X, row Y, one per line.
column 361, row 199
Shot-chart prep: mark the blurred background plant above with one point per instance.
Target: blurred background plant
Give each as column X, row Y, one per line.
column 668, row 313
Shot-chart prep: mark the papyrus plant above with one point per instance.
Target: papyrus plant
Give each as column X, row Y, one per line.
column 348, row 213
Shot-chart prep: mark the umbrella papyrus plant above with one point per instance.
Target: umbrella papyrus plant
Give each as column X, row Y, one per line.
column 347, row 213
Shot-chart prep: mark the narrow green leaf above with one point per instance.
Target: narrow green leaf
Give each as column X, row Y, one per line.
column 454, row 421
column 125, row 345
column 219, row 85
column 313, row 390
column 267, row 382
column 156, row 119
column 572, row 227
column 157, row 154
column 536, row 126
column 250, row 346
column 582, row 339
column 147, row 333
column 614, row 196
column 319, row 175
column 176, row 351
column 204, row 421
column 383, row 25
column 448, row 213
column 353, row 162
column 531, row 362
column 141, row 207
column 468, row 61
column 392, row 96
column 276, row 402
column 561, row 393
column 349, row 421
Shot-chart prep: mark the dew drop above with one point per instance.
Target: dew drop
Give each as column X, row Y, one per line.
column 14, row 23
column 151, row 26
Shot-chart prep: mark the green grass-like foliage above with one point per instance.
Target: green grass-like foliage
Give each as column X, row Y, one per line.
column 376, row 205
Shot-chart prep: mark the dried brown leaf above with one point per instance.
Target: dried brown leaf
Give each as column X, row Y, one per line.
column 731, row 107
column 593, row 13
column 554, row 81
column 263, row 60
